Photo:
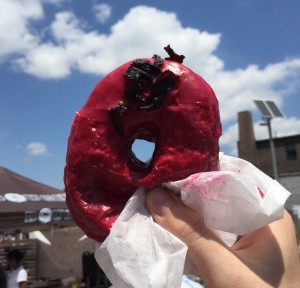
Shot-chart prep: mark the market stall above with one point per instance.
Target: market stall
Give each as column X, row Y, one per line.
column 27, row 205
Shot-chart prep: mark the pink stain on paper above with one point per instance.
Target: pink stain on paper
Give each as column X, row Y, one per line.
column 261, row 192
column 198, row 184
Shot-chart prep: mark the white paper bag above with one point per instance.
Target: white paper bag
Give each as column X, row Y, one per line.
column 138, row 252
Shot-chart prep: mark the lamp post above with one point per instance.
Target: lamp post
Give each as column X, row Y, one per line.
column 272, row 148
column 269, row 110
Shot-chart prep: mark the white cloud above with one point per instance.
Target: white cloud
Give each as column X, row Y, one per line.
column 228, row 140
column 102, row 12
column 55, row 2
column 45, row 56
column 237, row 89
column 281, row 127
column 16, row 33
column 143, row 31
column 36, row 149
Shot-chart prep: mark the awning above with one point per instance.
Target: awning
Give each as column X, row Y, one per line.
column 27, row 205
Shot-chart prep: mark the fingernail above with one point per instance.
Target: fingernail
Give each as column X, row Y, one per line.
column 160, row 201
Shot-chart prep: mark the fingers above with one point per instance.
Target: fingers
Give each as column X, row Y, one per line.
column 169, row 212
column 205, row 249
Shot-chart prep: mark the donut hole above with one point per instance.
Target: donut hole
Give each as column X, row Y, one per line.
column 142, row 152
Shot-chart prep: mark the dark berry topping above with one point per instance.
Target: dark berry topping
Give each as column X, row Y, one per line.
column 173, row 56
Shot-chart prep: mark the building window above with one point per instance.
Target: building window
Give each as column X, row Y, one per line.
column 290, row 151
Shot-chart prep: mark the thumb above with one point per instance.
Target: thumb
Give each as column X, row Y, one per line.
column 169, row 212
column 207, row 252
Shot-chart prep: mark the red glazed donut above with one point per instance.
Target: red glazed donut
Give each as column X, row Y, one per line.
column 157, row 100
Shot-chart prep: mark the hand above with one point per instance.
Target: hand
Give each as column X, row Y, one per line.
column 267, row 257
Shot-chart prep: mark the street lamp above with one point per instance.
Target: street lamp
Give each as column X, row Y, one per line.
column 268, row 111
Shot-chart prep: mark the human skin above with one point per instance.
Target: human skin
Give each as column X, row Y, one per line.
column 267, row 257
column 23, row 284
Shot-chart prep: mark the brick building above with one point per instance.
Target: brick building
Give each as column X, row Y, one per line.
column 287, row 151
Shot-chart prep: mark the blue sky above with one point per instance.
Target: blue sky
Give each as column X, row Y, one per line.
column 53, row 52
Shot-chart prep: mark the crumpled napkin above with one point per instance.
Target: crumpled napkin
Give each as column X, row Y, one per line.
column 233, row 201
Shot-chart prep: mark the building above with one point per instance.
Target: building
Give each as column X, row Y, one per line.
column 287, row 152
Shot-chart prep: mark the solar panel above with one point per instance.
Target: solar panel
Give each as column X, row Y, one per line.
column 263, row 109
column 268, row 109
column 272, row 106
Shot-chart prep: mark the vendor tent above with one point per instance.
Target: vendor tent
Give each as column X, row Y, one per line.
column 26, row 205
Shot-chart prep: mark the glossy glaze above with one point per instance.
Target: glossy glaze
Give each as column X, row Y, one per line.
column 102, row 172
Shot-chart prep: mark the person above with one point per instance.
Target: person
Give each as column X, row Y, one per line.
column 2, row 277
column 17, row 277
column 267, row 257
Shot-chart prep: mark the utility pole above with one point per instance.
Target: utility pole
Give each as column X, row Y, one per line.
column 269, row 110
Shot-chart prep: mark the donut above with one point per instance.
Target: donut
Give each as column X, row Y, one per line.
column 153, row 99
